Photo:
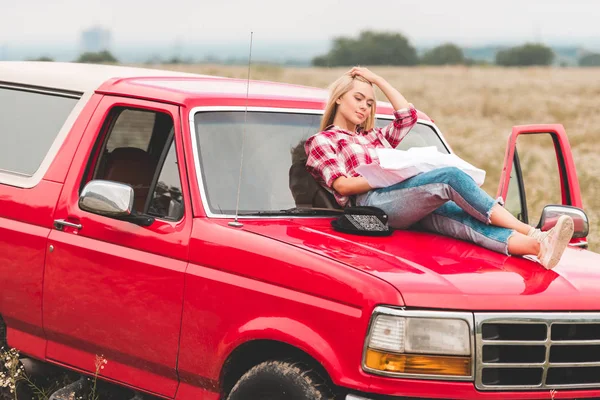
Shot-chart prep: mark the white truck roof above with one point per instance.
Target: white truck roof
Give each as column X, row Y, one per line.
column 73, row 77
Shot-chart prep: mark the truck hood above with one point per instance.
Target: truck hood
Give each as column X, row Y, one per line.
column 434, row 271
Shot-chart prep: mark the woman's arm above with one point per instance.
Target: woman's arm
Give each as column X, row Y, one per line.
column 393, row 95
column 349, row 186
column 405, row 114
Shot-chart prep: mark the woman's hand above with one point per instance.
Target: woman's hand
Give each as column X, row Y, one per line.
column 398, row 101
column 365, row 73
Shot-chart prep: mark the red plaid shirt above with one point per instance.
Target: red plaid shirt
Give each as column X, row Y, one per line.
column 337, row 152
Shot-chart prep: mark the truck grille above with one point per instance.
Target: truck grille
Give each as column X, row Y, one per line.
column 537, row 351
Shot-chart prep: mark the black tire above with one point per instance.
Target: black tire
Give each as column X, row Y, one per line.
column 279, row 380
column 3, row 334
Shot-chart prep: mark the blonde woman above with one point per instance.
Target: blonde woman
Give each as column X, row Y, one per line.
column 445, row 200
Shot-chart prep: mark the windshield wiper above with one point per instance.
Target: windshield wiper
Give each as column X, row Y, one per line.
column 302, row 211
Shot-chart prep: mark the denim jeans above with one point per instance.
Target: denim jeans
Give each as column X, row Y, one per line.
column 446, row 201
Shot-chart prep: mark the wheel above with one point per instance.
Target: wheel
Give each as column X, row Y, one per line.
column 2, row 334
column 279, row 380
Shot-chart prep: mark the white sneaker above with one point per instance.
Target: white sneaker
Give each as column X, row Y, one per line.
column 554, row 244
column 538, row 234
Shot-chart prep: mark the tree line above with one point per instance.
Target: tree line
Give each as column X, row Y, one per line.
column 387, row 48
column 99, row 57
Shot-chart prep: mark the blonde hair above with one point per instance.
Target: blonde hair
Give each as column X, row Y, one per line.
column 337, row 89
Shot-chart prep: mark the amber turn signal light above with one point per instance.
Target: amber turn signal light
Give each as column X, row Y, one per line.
column 418, row 364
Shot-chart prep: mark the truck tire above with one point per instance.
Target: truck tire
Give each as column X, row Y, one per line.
column 279, row 380
column 2, row 334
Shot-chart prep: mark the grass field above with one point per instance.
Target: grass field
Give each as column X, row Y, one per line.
column 476, row 107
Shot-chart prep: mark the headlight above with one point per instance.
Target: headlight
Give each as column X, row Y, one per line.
column 419, row 343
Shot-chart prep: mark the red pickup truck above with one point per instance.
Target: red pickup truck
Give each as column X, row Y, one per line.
column 118, row 189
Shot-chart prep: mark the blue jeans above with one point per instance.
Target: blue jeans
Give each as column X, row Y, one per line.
column 446, row 201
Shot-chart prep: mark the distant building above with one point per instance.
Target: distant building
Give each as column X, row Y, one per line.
column 95, row 39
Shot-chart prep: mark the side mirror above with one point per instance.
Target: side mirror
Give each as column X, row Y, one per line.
column 551, row 213
column 113, row 200
column 110, row 199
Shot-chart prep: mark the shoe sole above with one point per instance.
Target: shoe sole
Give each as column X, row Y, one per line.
column 564, row 228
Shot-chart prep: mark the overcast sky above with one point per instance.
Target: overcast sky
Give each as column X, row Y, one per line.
column 423, row 21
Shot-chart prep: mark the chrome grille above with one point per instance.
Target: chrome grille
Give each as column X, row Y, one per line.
column 537, row 351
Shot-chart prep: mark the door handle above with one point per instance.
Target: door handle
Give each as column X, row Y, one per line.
column 61, row 223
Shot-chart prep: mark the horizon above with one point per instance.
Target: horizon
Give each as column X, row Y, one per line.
column 276, row 51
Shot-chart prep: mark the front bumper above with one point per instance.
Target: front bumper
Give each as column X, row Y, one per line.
column 391, row 389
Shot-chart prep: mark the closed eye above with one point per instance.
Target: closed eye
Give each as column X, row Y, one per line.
column 360, row 96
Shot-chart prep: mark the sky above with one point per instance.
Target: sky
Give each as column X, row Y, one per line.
column 180, row 22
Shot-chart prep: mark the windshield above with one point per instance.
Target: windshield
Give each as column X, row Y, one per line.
column 272, row 142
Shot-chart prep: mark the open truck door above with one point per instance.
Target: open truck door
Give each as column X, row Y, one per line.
column 529, row 167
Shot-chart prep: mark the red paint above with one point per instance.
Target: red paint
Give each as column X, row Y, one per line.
column 25, row 223
column 432, row 270
column 169, row 303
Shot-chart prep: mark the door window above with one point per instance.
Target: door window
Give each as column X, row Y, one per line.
column 516, row 201
column 133, row 128
column 167, row 201
column 139, row 150
column 535, row 178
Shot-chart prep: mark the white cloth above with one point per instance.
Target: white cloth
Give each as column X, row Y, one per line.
column 398, row 165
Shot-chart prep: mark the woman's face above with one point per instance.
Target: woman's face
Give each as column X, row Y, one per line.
column 356, row 105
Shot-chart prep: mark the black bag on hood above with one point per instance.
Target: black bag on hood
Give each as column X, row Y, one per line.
column 369, row 221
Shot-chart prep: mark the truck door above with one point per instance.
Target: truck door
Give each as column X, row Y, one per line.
column 114, row 288
column 538, row 174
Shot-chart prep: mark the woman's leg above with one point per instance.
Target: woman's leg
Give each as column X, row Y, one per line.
column 520, row 244
column 411, row 200
column 502, row 217
column 451, row 220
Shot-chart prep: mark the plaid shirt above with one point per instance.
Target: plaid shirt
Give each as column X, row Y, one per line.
column 337, row 152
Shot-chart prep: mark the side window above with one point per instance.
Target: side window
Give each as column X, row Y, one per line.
column 29, row 124
column 541, row 178
column 516, row 201
column 535, row 178
column 166, row 200
column 133, row 128
column 137, row 150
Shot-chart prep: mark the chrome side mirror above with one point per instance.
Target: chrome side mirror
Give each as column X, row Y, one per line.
column 551, row 213
column 110, row 199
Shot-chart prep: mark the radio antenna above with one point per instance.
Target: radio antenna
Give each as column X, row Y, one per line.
column 235, row 223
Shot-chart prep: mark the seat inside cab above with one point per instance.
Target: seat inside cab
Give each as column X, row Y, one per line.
column 305, row 189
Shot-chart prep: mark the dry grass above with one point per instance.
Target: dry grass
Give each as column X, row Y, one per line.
column 476, row 109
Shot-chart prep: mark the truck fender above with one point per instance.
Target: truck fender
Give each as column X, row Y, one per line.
column 285, row 330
